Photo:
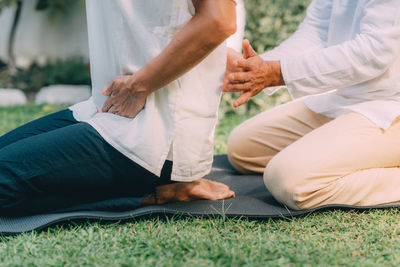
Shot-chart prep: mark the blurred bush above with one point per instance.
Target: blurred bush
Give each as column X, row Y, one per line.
column 54, row 8
column 68, row 71
column 269, row 22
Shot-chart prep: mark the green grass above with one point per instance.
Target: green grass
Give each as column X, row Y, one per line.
column 330, row 238
column 325, row 238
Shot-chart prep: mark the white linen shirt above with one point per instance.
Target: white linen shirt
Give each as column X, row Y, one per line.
column 178, row 120
column 345, row 57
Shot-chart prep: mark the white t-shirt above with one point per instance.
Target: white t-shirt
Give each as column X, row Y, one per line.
column 180, row 119
column 345, row 57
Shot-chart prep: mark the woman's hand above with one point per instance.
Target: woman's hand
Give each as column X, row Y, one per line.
column 126, row 97
column 232, row 57
column 257, row 74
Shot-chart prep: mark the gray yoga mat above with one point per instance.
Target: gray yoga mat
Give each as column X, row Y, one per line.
column 252, row 201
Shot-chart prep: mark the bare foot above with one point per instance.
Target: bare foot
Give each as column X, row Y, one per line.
column 185, row 192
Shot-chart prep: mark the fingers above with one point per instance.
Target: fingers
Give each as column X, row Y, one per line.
column 248, row 50
column 108, row 90
column 238, row 87
column 243, row 63
column 243, row 99
column 113, row 109
column 107, row 105
column 239, row 77
column 237, row 82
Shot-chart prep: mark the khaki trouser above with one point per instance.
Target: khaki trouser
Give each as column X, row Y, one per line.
column 309, row 160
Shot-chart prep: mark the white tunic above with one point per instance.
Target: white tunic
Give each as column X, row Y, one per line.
column 179, row 119
column 345, row 57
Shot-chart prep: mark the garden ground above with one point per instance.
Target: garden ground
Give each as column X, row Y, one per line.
column 323, row 238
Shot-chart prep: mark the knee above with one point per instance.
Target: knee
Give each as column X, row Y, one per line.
column 287, row 182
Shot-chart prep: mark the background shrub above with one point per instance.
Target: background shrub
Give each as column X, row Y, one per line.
column 68, row 71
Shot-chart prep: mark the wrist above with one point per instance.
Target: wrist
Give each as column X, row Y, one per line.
column 278, row 77
column 274, row 74
column 138, row 86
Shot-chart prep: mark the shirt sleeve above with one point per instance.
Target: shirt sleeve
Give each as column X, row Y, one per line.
column 368, row 55
column 311, row 34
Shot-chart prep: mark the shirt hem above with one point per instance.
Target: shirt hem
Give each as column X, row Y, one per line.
column 197, row 176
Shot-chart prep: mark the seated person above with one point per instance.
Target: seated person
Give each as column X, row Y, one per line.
column 338, row 142
column 156, row 71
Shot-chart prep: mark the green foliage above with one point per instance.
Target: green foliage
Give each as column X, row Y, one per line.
column 69, row 71
column 55, row 7
column 269, row 22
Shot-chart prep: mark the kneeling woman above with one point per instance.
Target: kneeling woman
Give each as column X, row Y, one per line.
column 156, row 67
column 339, row 142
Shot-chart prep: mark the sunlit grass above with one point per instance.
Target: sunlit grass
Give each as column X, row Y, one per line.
column 326, row 238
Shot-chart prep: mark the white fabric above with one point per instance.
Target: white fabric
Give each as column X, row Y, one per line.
column 344, row 57
column 123, row 36
column 235, row 41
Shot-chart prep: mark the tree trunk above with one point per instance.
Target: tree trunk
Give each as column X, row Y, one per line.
column 11, row 57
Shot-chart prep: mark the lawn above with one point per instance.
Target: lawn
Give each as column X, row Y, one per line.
column 326, row 238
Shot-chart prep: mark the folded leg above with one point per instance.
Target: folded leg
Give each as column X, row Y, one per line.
column 73, row 162
column 255, row 142
column 42, row 125
column 349, row 161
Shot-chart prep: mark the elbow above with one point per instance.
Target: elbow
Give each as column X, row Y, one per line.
column 218, row 19
column 224, row 27
column 219, row 30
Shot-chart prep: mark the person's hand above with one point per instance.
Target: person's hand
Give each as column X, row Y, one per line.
column 232, row 56
column 257, row 74
column 126, row 97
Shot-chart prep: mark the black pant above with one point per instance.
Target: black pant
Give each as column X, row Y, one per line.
column 56, row 162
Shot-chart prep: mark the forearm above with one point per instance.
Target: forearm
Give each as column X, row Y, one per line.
column 201, row 35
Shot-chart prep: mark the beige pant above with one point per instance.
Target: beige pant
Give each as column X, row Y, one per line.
column 309, row 160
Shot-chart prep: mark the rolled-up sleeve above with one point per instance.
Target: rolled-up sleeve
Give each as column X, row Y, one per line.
column 368, row 55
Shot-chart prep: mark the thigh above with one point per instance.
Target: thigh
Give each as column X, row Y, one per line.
column 252, row 144
column 72, row 161
column 44, row 124
column 343, row 146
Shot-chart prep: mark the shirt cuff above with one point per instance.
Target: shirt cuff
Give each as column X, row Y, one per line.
column 285, row 63
column 272, row 90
